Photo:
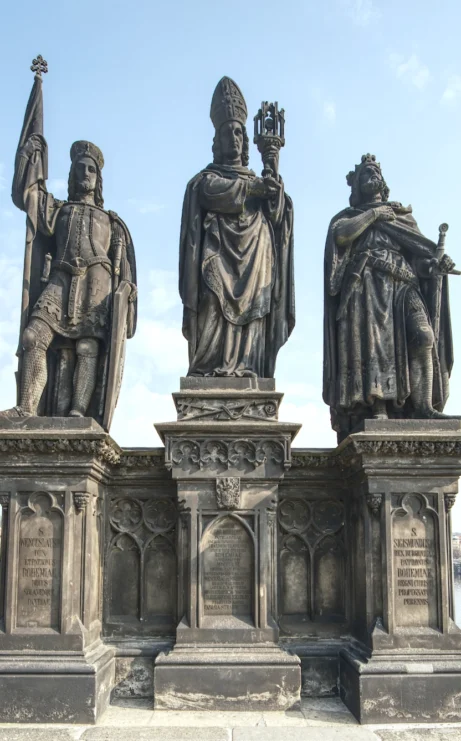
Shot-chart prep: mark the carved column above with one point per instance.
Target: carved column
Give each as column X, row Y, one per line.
column 406, row 662
column 51, row 479
column 227, row 453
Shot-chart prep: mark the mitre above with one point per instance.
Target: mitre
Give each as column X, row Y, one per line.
column 227, row 104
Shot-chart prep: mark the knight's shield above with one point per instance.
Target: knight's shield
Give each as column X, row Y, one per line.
column 116, row 351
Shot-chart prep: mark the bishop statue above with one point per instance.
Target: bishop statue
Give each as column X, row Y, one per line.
column 236, row 253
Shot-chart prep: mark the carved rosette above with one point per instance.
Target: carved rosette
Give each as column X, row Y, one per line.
column 222, row 454
column 81, row 500
column 374, row 502
column 228, row 492
column 450, row 499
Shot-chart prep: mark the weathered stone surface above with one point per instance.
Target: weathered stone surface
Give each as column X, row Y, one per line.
column 259, row 678
column 35, row 734
column 134, row 677
column 50, row 632
column 156, row 734
column 210, row 384
column 303, row 734
column 420, row 734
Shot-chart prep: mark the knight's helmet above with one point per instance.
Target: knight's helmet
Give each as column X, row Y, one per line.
column 227, row 104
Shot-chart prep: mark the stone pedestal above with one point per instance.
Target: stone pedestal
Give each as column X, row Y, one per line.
column 405, row 662
column 53, row 665
column 227, row 453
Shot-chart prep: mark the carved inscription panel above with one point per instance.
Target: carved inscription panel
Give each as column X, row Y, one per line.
column 413, row 546
column 39, row 565
column 228, row 569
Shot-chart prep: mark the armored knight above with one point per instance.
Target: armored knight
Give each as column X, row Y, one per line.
column 236, row 255
column 79, row 284
column 387, row 334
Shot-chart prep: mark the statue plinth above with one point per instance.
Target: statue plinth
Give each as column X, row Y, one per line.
column 227, row 453
column 51, row 484
column 405, row 662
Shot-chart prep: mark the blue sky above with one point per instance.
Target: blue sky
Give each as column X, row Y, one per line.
column 354, row 76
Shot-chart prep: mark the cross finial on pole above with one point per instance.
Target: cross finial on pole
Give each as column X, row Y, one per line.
column 39, row 66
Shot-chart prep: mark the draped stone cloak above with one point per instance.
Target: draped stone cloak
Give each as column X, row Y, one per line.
column 235, row 274
column 366, row 350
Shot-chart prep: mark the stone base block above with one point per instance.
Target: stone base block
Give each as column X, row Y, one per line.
column 231, row 678
column 402, row 689
column 56, row 688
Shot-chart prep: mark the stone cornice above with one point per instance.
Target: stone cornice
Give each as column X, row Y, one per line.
column 104, row 450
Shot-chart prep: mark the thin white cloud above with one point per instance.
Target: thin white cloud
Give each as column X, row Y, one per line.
column 329, row 111
column 361, row 12
column 452, row 91
column 163, row 291
column 410, row 70
column 146, row 207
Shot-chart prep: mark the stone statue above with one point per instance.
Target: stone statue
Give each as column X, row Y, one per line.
column 236, row 254
column 387, row 333
column 79, row 295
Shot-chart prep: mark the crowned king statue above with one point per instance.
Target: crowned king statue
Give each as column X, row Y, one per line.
column 79, row 290
column 236, row 254
column 388, row 349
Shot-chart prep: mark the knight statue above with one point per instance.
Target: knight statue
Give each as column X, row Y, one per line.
column 79, row 295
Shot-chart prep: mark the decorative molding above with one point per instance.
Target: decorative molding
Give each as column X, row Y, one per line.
column 143, row 517
column 310, row 520
column 408, row 447
column 81, row 500
column 307, row 460
column 101, row 449
column 142, row 461
column 226, row 409
column 450, row 499
column 374, row 502
column 228, row 492
column 4, row 501
column 225, row 453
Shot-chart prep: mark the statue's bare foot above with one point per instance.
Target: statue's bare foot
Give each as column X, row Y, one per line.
column 15, row 413
column 75, row 413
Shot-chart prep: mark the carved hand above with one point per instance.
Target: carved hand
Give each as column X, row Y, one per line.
column 445, row 265
column 256, row 188
column 134, row 293
column 272, row 187
column 384, row 213
column 33, row 144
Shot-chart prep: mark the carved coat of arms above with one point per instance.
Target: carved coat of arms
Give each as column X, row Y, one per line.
column 228, row 492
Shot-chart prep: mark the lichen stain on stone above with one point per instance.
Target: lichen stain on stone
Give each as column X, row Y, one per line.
column 173, row 700
column 451, row 708
column 134, row 677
